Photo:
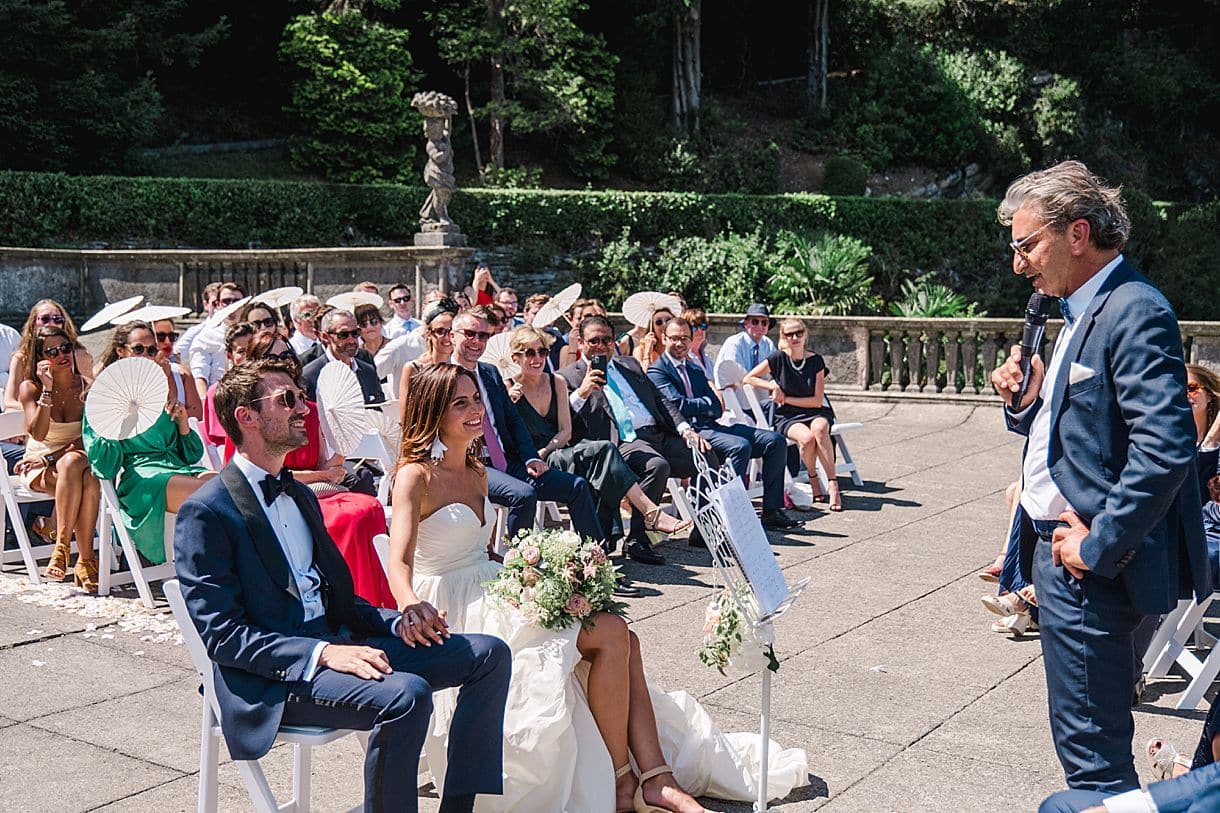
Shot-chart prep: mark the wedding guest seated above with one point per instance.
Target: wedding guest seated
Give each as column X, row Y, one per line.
column 305, row 332
column 237, row 345
column 614, row 400
column 1203, row 393
column 319, row 350
column 697, row 319
column 46, row 312
column 208, row 297
column 497, row 319
column 403, row 321
column 506, row 298
column 372, row 337
column 797, row 382
column 165, row 334
column 52, row 393
column 1016, row 601
column 207, row 354
column 351, row 518
column 438, row 343
column 579, row 310
column 518, row 477
column 534, row 303
column 319, row 654
column 341, row 339
column 749, row 348
column 155, row 471
column 583, row 728
column 261, row 315
column 541, row 399
column 685, row 386
column 652, row 344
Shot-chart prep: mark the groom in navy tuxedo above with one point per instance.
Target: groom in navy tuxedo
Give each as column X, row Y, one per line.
column 1108, row 526
column 290, row 641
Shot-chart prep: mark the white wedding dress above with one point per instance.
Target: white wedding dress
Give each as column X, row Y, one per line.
column 554, row 758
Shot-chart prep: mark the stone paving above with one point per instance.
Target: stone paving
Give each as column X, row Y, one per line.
column 890, row 677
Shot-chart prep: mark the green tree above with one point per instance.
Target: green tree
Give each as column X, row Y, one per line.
column 78, row 85
column 544, row 74
column 352, row 96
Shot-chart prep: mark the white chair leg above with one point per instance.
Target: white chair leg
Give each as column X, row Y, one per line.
column 1157, row 659
column 9, row 509
column 209, row 749
column 1202, row 674
column 302, row 767
column 856, row 480
column 255, row 780
column 105, row 551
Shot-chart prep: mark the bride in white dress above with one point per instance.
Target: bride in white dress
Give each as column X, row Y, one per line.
column 583, row 730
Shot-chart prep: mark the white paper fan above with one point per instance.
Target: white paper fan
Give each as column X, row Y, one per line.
column 127, row 398
column 111, row 311
column 224, row 313
column 385, row 423
column 639, row 308
column 341, row 407
column 556, row 306
column 498, row 353
column 150, row 314
column 279, row 297
column 351, row 300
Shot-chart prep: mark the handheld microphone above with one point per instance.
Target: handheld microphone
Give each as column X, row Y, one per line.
column 1036, row 312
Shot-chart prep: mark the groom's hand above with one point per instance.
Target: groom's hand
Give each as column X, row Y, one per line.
column 422, row 624
column 361, row 661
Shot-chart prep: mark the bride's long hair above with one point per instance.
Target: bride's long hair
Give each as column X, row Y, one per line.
column 427, row 401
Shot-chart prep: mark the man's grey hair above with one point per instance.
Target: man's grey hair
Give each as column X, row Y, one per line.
column 331, row 316
column 301, row 302
column 1068, row 192
column 466, row 317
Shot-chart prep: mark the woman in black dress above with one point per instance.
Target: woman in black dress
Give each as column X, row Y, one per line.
column 802, row 413
column 542, row 402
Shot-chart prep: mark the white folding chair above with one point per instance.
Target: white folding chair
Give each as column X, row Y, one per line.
column 303, row 738
column 372, row 447
column 211, row 452
column 14, row 495
column 1168, row 647
column 110, row 518
column 381, row 544
column 846, row 465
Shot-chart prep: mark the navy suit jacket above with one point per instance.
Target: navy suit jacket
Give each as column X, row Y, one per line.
column 1195, row 792
column 595, row 421
column 243, row 599
column 514, row 436
column 366, row 374
column 1122, row 447
column 703, row 409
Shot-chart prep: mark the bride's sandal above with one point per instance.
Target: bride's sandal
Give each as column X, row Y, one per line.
column 642, row 806
column 619, row 774
column 57, row 568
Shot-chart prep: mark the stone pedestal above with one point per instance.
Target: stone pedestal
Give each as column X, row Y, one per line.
column 435, row 239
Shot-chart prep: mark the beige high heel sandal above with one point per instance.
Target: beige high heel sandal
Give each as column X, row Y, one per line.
column 640, row 805
column 619, row 774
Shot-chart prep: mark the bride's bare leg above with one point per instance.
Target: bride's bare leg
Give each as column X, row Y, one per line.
column 661, row 790
column 605, row 646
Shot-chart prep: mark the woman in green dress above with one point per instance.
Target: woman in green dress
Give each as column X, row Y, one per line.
column 542, row 402
column 155, row 471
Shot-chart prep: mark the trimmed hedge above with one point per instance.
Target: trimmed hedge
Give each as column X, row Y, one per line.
column 959, row 240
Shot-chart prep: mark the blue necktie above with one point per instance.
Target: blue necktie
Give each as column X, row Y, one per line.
column 622, row 416
column 1066, row 310
column 753, row 356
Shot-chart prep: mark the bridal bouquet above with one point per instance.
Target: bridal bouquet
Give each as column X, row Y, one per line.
column 729, row 644
column 554, row 578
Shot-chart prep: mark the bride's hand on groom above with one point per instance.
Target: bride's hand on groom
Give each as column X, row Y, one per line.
column 422, row 624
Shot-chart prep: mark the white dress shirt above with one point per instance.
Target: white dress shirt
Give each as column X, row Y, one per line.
column 293, row 534
column 207, row 356
column 1040, row 497
column 299, row 342
column 10, row 341
column 738, row 348
column 397, row 326
column 183, row 346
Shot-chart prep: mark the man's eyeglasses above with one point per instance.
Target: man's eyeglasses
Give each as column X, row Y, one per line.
column 477, row 335
column 532, row 353
column 143, row 350
column 369, row 321
column 1018, row 246
column 287, row 398
column 683, row 339
column 53, row 352
column 1192, row 387
column 759, row 320
column 598, row 341
column 262, row 324
column 50, row 319
column 796, row 334
column 344, row 335
column 307, row 315
column 172, row 336
column 400, row 300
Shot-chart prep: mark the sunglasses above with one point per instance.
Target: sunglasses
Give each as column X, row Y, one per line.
column 700, row 326
column 796, row 334
column 369, row 321
column 344, row 335
column 285, row 398
column 286, row 355
column 1193, row 387
column 400, row 300
column 172, row 336
column 598, row 340
column 532, row 353
column 305, row 315
column 50, row 319
column 758, row 320
column 440, row 332
column 477, row 335
column 224, row 303
column 53, row 352
column 661, row 322
column 142, row 350
column 260, row 324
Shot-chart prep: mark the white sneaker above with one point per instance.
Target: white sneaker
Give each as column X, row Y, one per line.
column 1015, row 625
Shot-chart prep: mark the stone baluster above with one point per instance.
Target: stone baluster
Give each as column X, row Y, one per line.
column 914, row 362
column 876, row 358
column 970, row 361
column 932, row 349
column 896, row 348
column 952, row 354
column 991, row 347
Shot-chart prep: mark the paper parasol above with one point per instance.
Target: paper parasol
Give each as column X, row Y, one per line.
column 279, row 297
column 556, row 306
column 639, row 308
column 218, row 318
column 341, row 406
column 353, row 299
column 103, row 317
column 150, row 314
column 127, row 398
column 498, row 353
column 385, row 422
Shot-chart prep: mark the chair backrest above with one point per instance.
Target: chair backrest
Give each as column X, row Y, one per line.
column 372, row 447
column 764, row 421
column 12, row 424
column 381, row 544
column 734, row 407
column 192, row 641
column 730, row 372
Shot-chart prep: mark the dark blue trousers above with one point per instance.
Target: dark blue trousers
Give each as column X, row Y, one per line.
column 1086, row 629
column 739, row 443
column 396, row 711
column 519, row 493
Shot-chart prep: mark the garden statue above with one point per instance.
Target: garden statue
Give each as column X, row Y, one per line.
column 434, row 224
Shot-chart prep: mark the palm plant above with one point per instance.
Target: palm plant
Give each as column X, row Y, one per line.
column 828, row 275
column 924, row 299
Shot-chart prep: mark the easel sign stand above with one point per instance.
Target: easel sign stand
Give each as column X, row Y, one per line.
column 742, row 557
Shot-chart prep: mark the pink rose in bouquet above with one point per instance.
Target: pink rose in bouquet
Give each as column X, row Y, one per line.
column 579, row 606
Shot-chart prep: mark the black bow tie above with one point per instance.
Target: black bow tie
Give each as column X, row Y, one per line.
column 275, row 486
